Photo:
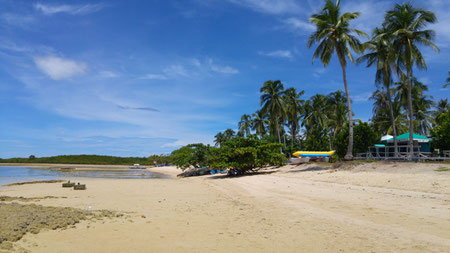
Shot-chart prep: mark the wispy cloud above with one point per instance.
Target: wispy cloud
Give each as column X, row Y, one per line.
column 69, row 9
column 154, row 77
column 270, row 6
column 176, row 70
column 108, row 74
column 224, row 69
column 278, row 54
column 210, row 65
column 59, row 68
column 13, row 19
column 297, row 24
column 362, row 97
column 150, row 109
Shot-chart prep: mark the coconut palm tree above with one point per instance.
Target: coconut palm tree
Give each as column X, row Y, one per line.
column 334, row 35
column 448, row 80
column 421, row 103
column 259, row 123
column 382, row 54
column 406, row 24
column 273, row 104
column 381, row 114
column 442, row 107
column 294, row 106
column 219, row 139
column 244, row 125
column 336, row 111
column 228, row 134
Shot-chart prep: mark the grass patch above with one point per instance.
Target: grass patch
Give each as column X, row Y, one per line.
column 442, row 169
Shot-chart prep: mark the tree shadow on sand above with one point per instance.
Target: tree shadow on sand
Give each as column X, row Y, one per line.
column 313, row 168
column 255, row 173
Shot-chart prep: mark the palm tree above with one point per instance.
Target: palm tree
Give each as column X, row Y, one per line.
column 421, row 103
column 336, row 111
column 406, row 24
column 228, row 134
column 219, row 139
column 245, row 125
column 335, row 36
column 273, row 104
column 381, row 114
column 448, row 80
column 442, row 107
column 294, row 106
column 382, row 55
column 259, row 123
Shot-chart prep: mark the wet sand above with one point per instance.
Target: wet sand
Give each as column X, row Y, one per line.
column 374, row 207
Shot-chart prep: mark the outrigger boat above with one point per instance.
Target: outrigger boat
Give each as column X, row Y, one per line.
column 315, row 154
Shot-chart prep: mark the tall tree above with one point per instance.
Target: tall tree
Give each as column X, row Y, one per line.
column 336, row 111
column 228, row 134
column 382, row 54
column 294, row 106
column 334, row 35
column 259, row 123
column 244, row 125
column 421, row 103
column 406, row 24
column 442, row 107
column 381, row 114
column 219, row 139
column 448, row 80
column 273, row 104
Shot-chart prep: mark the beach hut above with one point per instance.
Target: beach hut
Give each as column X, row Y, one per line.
column 419, row 140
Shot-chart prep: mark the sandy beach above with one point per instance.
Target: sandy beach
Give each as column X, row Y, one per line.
column 371, row 207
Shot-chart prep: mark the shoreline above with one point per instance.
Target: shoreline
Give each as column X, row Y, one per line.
column 311, row 208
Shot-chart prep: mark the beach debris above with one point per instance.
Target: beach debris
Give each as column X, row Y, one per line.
column 68, row 184
column 89, row 208
column 79, row 187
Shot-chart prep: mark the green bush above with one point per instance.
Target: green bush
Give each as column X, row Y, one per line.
column 441, row 133
column 363, row 137
column 239, row 153
column 191, row 155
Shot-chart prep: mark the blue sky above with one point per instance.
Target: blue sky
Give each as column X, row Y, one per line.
column 134, row 78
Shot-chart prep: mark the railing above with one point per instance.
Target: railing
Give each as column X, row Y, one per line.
column 388, row 153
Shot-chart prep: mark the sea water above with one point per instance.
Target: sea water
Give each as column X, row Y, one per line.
column 15, row 174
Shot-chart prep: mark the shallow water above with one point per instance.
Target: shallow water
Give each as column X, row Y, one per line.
column 15, row 174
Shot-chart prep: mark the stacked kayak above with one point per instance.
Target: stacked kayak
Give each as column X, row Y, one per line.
column 314, row 154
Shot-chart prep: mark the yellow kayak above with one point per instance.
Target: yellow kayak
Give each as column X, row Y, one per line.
column 314, row 153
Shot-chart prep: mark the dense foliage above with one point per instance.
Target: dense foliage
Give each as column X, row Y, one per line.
column 80, row 159
column 365, row 137
column 441, row 133
column 239, row 153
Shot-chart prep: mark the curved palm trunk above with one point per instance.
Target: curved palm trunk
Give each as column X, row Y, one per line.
column 391, row 114
column 410, row 110
column 349, row 155
column 279, row 138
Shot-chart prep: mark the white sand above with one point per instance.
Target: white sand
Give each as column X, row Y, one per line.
column 374, row 207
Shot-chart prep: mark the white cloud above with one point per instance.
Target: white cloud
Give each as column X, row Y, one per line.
column 154, row 77
column 59, row 68
column 69, row 9
column 224, row 69
column 108, row 74
column 17, row 20
column 362, row 97
column 298, row 24
column 176, row 70
column 270, row 6
column 278, row 53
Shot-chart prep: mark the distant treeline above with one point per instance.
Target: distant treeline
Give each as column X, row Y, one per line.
column 81, row 159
